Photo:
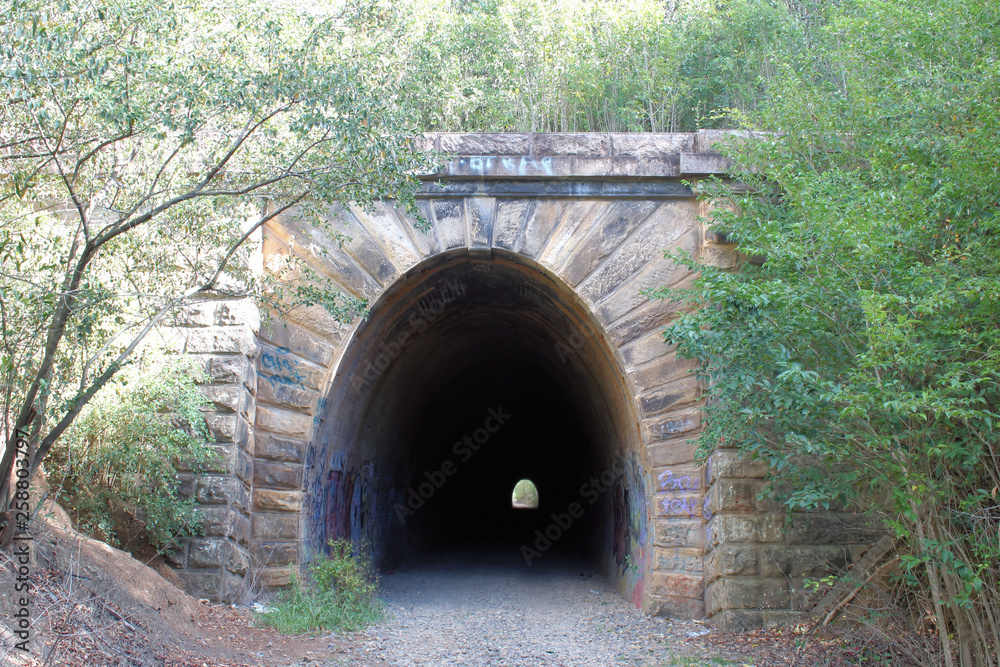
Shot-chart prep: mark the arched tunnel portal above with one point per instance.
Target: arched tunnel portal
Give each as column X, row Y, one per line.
column 471, row 373
column 513, row 338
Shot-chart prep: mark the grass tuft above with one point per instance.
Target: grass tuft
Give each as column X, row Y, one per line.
column 339, row 595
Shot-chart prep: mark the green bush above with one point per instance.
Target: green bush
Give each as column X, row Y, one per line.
column 339, row 596
column 116, row 471
column 859, row 354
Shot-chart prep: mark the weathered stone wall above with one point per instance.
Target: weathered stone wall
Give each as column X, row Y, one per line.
column 758, row 557
column 222, row 336
column 588, row 214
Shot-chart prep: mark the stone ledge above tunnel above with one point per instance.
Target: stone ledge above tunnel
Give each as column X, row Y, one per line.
column 581, row 155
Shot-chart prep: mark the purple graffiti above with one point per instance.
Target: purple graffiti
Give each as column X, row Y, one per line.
column 680, row 483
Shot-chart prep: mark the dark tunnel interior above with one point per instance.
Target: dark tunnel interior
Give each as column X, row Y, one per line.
column 468, row 376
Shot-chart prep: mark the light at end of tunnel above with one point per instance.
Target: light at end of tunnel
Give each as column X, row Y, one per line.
column 525, row 496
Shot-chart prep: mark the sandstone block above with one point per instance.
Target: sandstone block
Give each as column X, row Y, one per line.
column 480, row 210
column 704, row 163
column 222, row 428
column 733, row 496
column 277, row 475
column 674, row 395
column 678, row 533
column 677, row 584
column 232, row 397
column 276, row 500
column 728, row 529
column 710, row 141
column 832, row 528
column 292, row 340
column 276, row 448
column 284, row 422
column 290, row 370
column 243, row 468
column 227, row 312
column 216, row 521
column 236, row 339
column 679, row 504
column 227, row 369
column 483, row 144
column 275, row 577
column 801, row 561
column 674, row 424
column 276, row 526
column 214, row 489
column 731, row 560
column 680, row 559
column 674, row 607
column 746, row 593
column 722, row 257
column 278, row 391
column 241, row 498
column 207, row 553
column 200, row 583
column 271, row 553
column 449, row 215
column 734, row 464
column 737, row 620
column 651, row 145
column 672, row 452
column 238, row 561
column 583, row 144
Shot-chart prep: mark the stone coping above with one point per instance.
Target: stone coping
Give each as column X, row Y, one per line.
column 580, row 155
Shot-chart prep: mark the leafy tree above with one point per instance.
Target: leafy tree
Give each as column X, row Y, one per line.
column 861, row 358
column 136, row 142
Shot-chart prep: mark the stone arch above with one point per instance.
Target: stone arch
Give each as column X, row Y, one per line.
column 602, row 246
column 464, row 368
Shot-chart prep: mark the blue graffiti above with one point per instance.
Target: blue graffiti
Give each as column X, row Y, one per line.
column 283, row 369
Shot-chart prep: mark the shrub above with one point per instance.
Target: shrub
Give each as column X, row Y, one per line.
column 116, row 471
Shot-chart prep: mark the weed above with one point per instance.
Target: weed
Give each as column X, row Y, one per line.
column 339, row 595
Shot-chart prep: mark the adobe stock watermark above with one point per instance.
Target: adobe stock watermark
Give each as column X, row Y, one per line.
column 590, row 490
column 22, row 544
column 574, row 342
column 464, row 449
column 425, row 312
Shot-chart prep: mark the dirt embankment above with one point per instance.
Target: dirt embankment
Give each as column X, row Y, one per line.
column 92, row 604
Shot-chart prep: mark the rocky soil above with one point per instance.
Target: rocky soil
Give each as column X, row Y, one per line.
column 94, row 606
column 483, row 610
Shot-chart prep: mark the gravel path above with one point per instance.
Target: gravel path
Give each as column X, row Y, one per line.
column 494, row 611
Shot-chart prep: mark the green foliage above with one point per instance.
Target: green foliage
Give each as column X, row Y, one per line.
column 861, row 359
column 525, row 493
column 142, row 146
column 340, row 595
column 568, row 65
column 116, row 470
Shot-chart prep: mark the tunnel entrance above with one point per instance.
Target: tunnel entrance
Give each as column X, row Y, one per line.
column 470, row 374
